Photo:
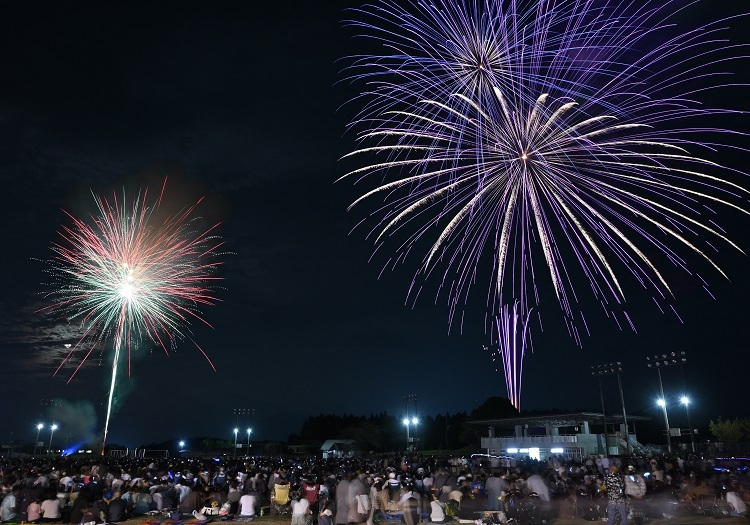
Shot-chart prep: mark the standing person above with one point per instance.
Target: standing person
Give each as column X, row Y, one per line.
column 615, row 493
column 495, row 486
column 535, row 483
column 342, row 500
column 301, row 513
column 359, row 500
column 311, row 488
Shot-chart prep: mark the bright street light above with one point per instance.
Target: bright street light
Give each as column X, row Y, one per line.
column 182, row 445
column 236, row 430
column 414, row 421
column 684, row 400
column 661, row 403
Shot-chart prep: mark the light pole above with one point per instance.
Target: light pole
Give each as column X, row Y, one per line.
column 686, row 401
column 39, row 428
column 236, row 430
column 659, row 361
column 411, row 408
column 249, row 431
column 613, row 369
column 241, row 412
column 407, row 423
column 604, row 413
column 663, row 404
column 51, row 433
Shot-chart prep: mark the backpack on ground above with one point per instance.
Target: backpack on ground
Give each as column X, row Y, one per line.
column 451, row 508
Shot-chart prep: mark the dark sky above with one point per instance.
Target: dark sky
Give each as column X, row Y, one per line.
column 241, row 103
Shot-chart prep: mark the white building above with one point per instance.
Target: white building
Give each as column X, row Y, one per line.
column 569, row 435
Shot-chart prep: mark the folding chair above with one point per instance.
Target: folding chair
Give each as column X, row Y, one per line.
column 280, row 501
column 707, row 505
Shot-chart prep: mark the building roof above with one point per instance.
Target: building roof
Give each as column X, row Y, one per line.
column 556, row 420
column 336, row 443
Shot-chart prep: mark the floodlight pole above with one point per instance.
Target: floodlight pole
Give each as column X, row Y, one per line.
column 686, row 401
column 624, row 413
column 657, row 362
column 39, row 428
column 664, row 409
column 604, row 414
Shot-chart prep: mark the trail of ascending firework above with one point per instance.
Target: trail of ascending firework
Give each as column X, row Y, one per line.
column 133, row 273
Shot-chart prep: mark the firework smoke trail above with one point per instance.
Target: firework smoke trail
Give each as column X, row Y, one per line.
column 587, row 154
column 133, row 273
column 512, row 331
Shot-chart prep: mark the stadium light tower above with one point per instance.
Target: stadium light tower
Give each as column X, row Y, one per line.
column 39, row 428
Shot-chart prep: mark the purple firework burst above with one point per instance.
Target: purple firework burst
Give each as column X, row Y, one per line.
column 585, row 145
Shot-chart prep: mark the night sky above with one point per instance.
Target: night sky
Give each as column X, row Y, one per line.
column 243, row 104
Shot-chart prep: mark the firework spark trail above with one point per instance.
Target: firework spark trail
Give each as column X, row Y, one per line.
column 570, row 48
column 512, row 332
column 132, row 273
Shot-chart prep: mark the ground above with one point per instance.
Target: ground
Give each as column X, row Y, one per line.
column 694, row 520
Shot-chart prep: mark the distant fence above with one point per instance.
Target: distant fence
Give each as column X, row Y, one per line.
column 138, row 453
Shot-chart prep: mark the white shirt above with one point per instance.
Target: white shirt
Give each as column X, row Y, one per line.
column 247, row 505
column 437, row 510
column 65, row 480
column 535, row 483
column 51, row 508
column 736, row 502
column 300, row 507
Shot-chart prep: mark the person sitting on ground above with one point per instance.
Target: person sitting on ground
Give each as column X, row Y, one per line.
column 736, row 505
column 192, row 502
column 34, row 512
column 437, row 509
column 411, row 511
column 470, row 505
column 100, row 508
column 118, row 509
column 142, row 500
column 326, row 516
column 50, row 509
column 247, row 505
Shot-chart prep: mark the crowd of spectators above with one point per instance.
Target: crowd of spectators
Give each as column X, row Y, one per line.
column 353, row 490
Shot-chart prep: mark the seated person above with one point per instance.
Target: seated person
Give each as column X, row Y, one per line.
column 118, row 509
column 50, row 509
column 411, row 511
column 34, row 512
column 247, row 505
column 437, row 509
column 470, row 505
